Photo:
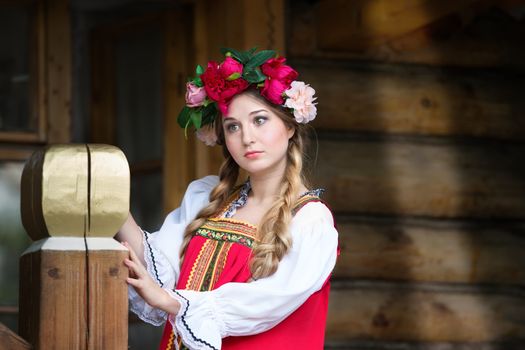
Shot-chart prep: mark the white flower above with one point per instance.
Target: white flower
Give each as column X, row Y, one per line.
column 300, row 97
column 207, row 135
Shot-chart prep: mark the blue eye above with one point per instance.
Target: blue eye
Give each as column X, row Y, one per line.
column 260, row 120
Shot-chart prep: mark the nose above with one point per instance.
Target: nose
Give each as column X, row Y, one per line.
column 248, row 136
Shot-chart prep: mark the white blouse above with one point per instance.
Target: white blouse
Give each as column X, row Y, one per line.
column 237, row 309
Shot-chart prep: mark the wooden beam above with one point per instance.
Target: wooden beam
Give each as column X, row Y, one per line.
column 418, row 314
column 415, row 100
column 361, row 24
column 431, row 251
column 422, row 177
column 481, row 35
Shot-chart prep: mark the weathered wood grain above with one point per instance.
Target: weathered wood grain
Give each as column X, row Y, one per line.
column 422, row 177
column 63, row 305
column 412, row 314
column 9, row 340
column 439, row 33
column 108, row 294
column 416, row 100
column 429, row 251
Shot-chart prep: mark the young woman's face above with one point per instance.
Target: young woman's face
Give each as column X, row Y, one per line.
column 255, row 136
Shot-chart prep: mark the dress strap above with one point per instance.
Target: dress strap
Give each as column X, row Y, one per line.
column 307, row 197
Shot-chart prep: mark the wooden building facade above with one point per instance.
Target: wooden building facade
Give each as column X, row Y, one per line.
column 420, row 140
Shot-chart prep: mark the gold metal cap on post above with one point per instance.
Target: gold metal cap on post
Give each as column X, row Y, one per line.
column 73, row 291
column 75, row 191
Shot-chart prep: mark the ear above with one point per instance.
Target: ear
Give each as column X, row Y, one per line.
column 290, row 132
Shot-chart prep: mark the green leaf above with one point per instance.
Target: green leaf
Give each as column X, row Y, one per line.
column 199, row 70
column 209, row 113
column 242, row 57
column 259, row 58
column 197, row 82
column 234, row 76
column 254, row 76
column 184, row 117
column 196, row 118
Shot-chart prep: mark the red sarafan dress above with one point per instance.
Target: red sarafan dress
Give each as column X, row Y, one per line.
column 222, row 307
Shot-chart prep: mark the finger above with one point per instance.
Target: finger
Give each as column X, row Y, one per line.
column 133, row 282
column 131, row 267
column 132, row 253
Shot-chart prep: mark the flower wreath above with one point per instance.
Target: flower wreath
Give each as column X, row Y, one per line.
column 210, row 91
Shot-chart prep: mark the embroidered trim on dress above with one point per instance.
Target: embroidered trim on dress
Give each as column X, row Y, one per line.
column 152, row 257
column 201, row 265
column 186, row 326
column 228, row 230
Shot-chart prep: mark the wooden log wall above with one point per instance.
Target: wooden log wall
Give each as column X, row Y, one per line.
column 420, row 137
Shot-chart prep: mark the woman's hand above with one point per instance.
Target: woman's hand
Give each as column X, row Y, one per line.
column 146, row 287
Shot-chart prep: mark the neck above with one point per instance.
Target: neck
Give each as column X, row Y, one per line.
column 265, row 187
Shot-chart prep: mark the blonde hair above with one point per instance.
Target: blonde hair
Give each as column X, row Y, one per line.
column 274, row 238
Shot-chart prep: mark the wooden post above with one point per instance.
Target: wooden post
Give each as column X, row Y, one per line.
column 73, row 293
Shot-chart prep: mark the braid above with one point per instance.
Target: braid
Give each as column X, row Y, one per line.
column 275, row 238
column 228, row 174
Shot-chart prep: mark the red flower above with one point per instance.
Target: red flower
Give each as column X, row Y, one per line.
column 229, row 67
column 216, row 83
column 275, row 68
column 279, row 78
column 273, row 91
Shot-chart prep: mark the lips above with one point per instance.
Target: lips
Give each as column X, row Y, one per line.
column 252, row 154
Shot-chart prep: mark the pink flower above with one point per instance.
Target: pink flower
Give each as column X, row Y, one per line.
column 216, row 83
column 195, row 95
column 207, row 135
column 300, row 97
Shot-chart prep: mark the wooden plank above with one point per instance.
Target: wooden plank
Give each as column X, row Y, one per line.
column 488, row 34
column 412, row 314
column 415, row 100
column 178, row 163
column 9, row 340
column 108, row 293
column 46, row 293
column 423, row 177
column 59, row 71
column 430, row 251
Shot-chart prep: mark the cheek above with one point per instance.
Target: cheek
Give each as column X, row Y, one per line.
column 231, row 144
column 278, row 139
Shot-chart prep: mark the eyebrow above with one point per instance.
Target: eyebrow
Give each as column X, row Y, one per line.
column 251, row 113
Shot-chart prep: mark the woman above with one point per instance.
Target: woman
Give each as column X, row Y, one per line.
column 247, row 266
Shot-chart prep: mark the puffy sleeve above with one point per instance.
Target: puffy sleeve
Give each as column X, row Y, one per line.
column 161, row 248
column 237, row 309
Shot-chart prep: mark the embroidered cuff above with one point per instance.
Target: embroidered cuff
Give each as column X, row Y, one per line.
column 197, row 322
